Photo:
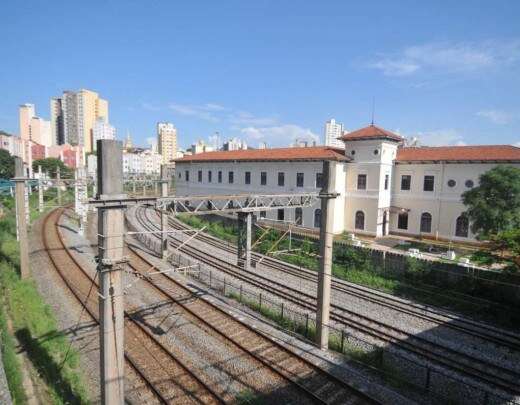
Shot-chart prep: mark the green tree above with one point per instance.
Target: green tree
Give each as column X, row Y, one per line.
column 508, row 241
column 50, row 166
column 6, row 165
column 494, row 206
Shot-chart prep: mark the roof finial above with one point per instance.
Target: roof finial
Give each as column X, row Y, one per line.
column 373, row 107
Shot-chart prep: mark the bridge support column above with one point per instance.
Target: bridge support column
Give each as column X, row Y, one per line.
column 244, row 240
column 110, row 268
column 21, row 216
column 327, row 196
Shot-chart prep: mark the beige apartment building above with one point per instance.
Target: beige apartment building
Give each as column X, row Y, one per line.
column 26, row 113
column 33, row 128
column 167, row 141
column 73, row 116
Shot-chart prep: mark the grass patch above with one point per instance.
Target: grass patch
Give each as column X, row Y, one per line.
column 36, row 329
column 12, row 367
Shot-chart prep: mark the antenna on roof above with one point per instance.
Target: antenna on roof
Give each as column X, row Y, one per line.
column 373, row 108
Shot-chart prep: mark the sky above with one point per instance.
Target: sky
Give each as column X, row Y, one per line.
column 272, row 71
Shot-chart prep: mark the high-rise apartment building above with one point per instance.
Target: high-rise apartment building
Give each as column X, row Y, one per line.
column 333, row 130
column 33, row 128
column 27, row 112
column 73, row 117
column 167, row 141
column 57, row 130
column 102, row 130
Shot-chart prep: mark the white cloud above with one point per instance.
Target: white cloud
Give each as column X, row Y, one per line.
column 395, row 67
column 240, row 118
column 441, row 137
column 204, row 112
column 496, row 116
column 279, row 134
column 448, row 57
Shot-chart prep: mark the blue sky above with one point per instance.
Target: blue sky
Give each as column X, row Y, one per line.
column 448, row 72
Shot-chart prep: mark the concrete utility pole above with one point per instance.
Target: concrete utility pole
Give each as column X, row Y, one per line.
column 80, row 195
column 244, row 240
column 40, row 189
column 21, row 219
column 58, row 184
column 327, row 196
column 111, row 262
column 144, row 187
column 164, row 215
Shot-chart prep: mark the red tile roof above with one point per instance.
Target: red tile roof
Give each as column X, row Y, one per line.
column 315, row 153
column 459, row 153
column 371, row 132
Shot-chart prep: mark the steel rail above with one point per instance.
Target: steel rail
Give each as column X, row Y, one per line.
column 128, row 356
column 480, row 370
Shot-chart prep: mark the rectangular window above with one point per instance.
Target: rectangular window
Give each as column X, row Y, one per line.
column 200, row 176
column 319, row 180
column 402, row 221
column 248, row 178
column 231, row 177
column 187, row 175
column 180, row 175
column 299, row 179
column 281, row 214
column 220, row 176
column 387, row 178
column 263, row 214
column 209, row 176
column 263, row 178
column 406, row 182
column 428, row 183
column 362, row 182
column 281, row 179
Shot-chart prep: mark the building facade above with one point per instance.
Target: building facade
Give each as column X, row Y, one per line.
column 143, row 162
column 73, row 116
column 384, row 188
column 333, row 131
column 102, row 130
column 167, row 141
column 234, row 144
column 33, row 128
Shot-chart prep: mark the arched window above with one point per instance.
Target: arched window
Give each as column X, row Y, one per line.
column 360, row 220
column 298, row 216
column 426, row 222
column 317, row 218
column 462, row 226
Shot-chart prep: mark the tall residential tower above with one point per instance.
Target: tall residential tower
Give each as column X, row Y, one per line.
column 73, row 116
column 333, row 130
column 167, row 141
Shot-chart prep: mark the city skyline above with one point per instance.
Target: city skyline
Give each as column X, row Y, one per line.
column 446, row 86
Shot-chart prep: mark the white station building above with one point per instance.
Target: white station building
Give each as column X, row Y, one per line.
column 384, row 188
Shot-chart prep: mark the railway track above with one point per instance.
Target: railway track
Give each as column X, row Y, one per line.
column 167, row 379
column 483, row 331
column 317, row 385
column 483, row 372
